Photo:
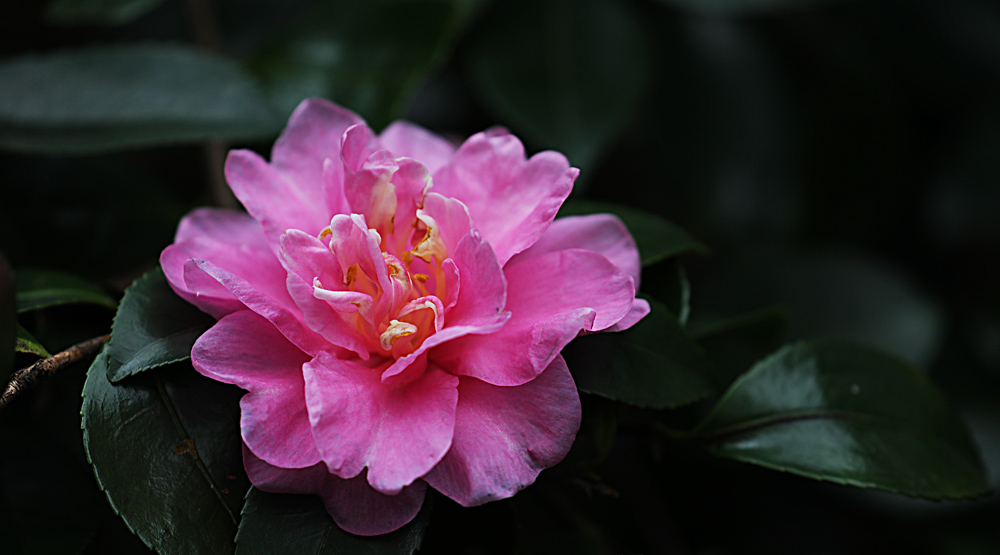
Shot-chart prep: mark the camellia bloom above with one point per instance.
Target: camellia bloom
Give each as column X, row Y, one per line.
column 395, row 308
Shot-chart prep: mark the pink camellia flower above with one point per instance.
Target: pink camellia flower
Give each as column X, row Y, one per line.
column 395, row 308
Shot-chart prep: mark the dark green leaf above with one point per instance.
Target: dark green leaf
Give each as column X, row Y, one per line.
column 26, row 343
column 275, row 524
column 656, row 238
column 568, row 75
column 166, row 450
column 109, row 12
column 653, row 364
column 838, row 411
column 43, row 288
column 153, row 327
column 367, row 56
column 115, row 97
column 8, row 320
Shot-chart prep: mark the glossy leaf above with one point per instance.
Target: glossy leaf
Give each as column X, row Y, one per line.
column 26, row 343
column 368, row 56
column 657, row 238
column 567, row 75
column 8, row 320
column 110, row 12
column 842, row 412
column 153, row 327
column 653, row 364
column 116, row 97
column 167, row 452
column 44, row 288
column 277, row 524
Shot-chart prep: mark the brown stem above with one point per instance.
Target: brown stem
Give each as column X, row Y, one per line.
column 25, row 378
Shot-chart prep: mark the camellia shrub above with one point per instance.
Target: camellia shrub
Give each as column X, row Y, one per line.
column 275, row 290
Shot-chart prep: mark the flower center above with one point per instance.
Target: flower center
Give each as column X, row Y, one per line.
column 394, row 302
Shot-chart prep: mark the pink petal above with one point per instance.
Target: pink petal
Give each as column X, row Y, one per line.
column 504, row 436
column 640, row 308
column 552, row 298
column 604, row 234
column 399, row 431
column 312, row 136
column 360, row 509
column 450, row 221
column 273, row 200
column 269, row 300
column 412, row 141
column 483, row 291
column 308, row 259
column 246, row 350
column 234, row 240
column 353, row 504
column 384, row 188
column 490, row 171
column 273, row 479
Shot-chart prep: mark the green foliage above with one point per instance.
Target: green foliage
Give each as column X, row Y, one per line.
column 656, row 238
column 26, row 343
column 45, row 288
column 369, row 56
column 653, row 364
column 109, row 12
column 167, row 452
column 275, row 524
column 837, row 411
column 567, row 75
column 153, row 327
column 113, row 97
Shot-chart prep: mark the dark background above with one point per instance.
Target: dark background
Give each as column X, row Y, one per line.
column 839, row 158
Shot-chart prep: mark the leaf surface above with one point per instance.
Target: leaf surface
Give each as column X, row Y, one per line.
column 842, row 412
column 166, row 450
column 153, row 327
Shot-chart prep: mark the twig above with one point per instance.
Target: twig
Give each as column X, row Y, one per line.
column 25, row 378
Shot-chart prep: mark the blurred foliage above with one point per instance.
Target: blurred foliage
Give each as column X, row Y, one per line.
column 838, row 157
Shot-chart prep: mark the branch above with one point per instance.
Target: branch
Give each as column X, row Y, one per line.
column 25, row 378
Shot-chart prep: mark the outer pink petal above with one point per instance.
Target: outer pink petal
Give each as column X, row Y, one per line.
column 234, row 241
column 490, row 170
column 412, row 141
column 271, row 301
column 604, row 234
column 353, row 504
column 246, row 350
column 273, row 200
column 399, row 431
column 640, row 308
column 313, row 135
column 552, row 298
column 504, row 436
column 360, row 509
